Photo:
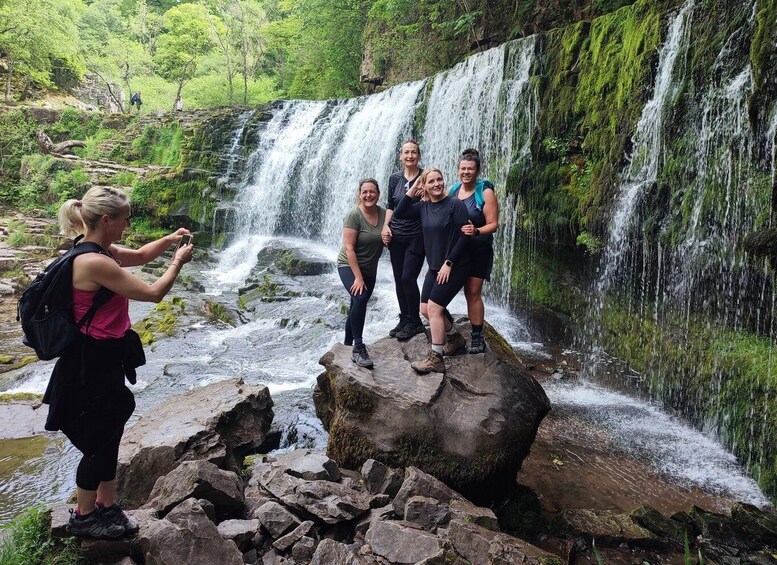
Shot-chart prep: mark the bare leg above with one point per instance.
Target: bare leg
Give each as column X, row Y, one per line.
column 106, row 493
column 437, row 322
column 85, row 501
column 473, row 292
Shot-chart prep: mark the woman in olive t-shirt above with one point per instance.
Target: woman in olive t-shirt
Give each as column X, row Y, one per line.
column 357, row 263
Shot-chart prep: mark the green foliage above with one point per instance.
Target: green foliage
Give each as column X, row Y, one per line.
column 159, row 145
column 74, row 124
column 17, row 138
column 29, row 542
column 47, row 183
column 36, row 37
column 186, row 38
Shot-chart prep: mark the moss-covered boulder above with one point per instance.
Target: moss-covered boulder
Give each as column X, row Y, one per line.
column 471, row 428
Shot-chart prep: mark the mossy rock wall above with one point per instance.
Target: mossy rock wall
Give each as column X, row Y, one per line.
column 687, row 308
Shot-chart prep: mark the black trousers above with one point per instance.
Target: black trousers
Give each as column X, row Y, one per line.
column 407, row 260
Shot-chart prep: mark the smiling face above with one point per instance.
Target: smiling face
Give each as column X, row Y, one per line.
column 410, row 155
column 468, row 171
column 434, row 185
column 368, row 195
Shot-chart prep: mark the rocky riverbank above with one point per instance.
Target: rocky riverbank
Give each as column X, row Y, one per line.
column 301, row 507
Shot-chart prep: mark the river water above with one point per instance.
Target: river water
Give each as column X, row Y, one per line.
column 279, row 344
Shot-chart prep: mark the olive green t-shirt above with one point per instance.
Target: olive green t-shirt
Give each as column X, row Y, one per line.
column 369, row 244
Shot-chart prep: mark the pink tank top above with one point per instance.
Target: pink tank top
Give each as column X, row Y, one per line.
column 111, row 319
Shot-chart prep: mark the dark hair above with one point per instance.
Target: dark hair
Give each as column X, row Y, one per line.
column 363, row 182
column 470, row 154
column 414, row 142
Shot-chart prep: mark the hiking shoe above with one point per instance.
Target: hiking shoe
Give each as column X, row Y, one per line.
column 116, row 515
column 93, row 525
column 477, row 344
column 433, row 363
column 411, row 328
column 401, row 324
column 361, row 357
column 453, row 344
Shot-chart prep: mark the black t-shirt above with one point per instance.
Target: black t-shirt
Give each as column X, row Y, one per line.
column 397, row 187
column 441, row 222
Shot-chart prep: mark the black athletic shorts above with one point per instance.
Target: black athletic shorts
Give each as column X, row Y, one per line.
column 481, row 259
column 442, row 294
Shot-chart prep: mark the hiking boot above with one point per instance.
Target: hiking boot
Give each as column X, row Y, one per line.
column 94, row 525
column 453, row 344
column 433, row 363
column 401, row 324
column 116, row 515
column 361, row 357
column 477, row 344
column 411, row 328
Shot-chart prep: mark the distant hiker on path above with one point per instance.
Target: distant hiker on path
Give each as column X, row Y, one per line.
column 179, row 104
column 136, row 100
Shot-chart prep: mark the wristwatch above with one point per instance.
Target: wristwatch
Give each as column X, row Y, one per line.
column 449, row 262
column 477, row 231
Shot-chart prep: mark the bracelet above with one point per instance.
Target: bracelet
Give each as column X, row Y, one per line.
column 173, row 263
column 477, row 231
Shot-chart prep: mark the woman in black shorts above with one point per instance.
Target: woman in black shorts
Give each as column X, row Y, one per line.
column 483, row 210
column 405, row 243
column 442, row 218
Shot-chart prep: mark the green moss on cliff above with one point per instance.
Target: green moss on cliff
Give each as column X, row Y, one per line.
column 721, row 379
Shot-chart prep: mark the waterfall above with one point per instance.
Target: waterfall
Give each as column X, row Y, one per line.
column 643, row 166
column 233, row 155
column 302, row 177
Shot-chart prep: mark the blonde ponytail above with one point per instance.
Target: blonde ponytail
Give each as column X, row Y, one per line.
column 78, row 216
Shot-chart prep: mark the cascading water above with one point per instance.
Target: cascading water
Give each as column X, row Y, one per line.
column 642, row 170
column 302, row 178
column 674, row 276
column 234, row 155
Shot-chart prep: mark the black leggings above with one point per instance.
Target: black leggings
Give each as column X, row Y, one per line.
column 357, row 312
column 407, row 259
column 97, row 434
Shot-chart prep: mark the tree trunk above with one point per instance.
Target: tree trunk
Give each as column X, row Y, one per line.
column 8, row 78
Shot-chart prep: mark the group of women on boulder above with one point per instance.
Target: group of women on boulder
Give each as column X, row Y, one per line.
column 452, row 229
column 87, row 395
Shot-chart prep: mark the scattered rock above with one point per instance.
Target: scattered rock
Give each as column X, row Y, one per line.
column 378, row 478
column 220, row 423
column 400, row 544
column 186, row 535
column 309, row 465
column 276, row 519
column 242, row 532
column 202, row 480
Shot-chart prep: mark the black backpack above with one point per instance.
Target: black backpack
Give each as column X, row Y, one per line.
column 46, row 307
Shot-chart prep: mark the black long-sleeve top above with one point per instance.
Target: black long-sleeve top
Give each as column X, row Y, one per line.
column 441, row 224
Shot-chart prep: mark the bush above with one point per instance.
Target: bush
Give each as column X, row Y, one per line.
column 30, row 542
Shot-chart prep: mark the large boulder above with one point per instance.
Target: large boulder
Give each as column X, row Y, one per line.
column 221, row 423
column 471, row 427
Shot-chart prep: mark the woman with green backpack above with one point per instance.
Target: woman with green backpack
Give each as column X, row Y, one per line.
column 483, row 209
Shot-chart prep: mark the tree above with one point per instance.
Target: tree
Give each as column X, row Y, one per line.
column 186, row 37
column 36, row 35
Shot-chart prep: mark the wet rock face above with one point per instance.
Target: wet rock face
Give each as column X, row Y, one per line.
column 219, row 423
column 471, row 428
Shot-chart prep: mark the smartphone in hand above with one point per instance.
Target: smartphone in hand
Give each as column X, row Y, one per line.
column 186, row 239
